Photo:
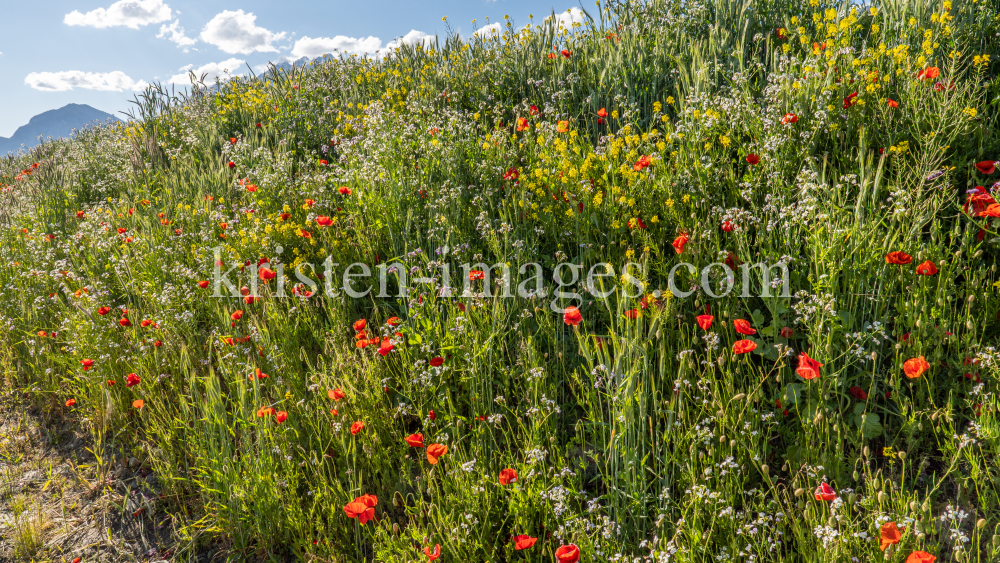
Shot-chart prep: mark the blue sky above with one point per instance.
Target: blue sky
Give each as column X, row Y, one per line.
column 99, row 52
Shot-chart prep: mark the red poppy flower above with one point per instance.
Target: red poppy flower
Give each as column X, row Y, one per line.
column 336, row 394
column 808, row 367
column 386, row 347
column 70, row 402
column 743, row 327
column 893, row 103
column 522, row 123
column 572, row 316
column 431, row 415
column 264, row 412
column 781, row 33
column 357, row 427
column 568, row 554
column 929, row 73
column 533, row 110
column 643, row 163
column 324, row 221
column 266, row 274
column 138, row 404
column 889, row 535
column 415, row 440
column 132, row 380
column 308, row 204
column 523, row 542
column 344, row 190
column 232, row 164
column 858, row 393
column 927, row 269
column 705, row 321
column 986, row 167
column 125, row 322
column 435, row 452
column 915, row 367
column 825, row 492
column 362, row 508
column 787, row 332
column 103, row 311
column 565, row 53
column 898, row 257
column 476, row 275
column 992, row 210
column 432, row 555
column 732, row 261
column 789, row 118
column 679, row 242
column 921, row 557
column 633, row 314
column 508, row 476
column 237, row 315
column 87, row 364
column 281, row 416
column 744, row 346
column 304, row 233
column 436, row 361
column 752, row 159
column 511, row 174
column 360, row 325
column 850, row 100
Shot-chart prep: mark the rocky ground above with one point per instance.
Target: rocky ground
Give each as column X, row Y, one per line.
column 58, row 503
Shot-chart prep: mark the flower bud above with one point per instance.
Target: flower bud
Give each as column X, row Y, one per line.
column 740, row 397
column 765, row 469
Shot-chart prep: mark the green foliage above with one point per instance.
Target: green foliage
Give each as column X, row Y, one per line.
column 635, row 434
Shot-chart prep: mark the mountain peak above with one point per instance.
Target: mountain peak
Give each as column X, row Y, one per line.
column 53, row 123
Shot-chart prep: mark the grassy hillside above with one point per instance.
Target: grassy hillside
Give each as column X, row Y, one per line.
column 852, row 145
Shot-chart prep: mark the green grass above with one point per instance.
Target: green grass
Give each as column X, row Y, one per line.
column 634, row 438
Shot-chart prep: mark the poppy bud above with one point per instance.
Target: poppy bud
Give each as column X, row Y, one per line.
column 902, row 456
column 765, row 469
column 881, row 496
column 739, row 397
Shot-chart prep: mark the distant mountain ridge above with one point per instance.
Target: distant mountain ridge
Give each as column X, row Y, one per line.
column 53, row 123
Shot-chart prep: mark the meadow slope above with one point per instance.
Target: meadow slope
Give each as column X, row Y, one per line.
column 846, row 411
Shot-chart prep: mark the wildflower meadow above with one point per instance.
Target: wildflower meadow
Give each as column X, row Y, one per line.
column 698, row 281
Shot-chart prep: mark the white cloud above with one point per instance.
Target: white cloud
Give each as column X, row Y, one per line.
column 412, row 38
column 236, row 32
column 67, row 80
column 568, row 18
column 310, row 47
column 488, row 30
column 221, row 70
column 129, row 13
column 176, row 34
